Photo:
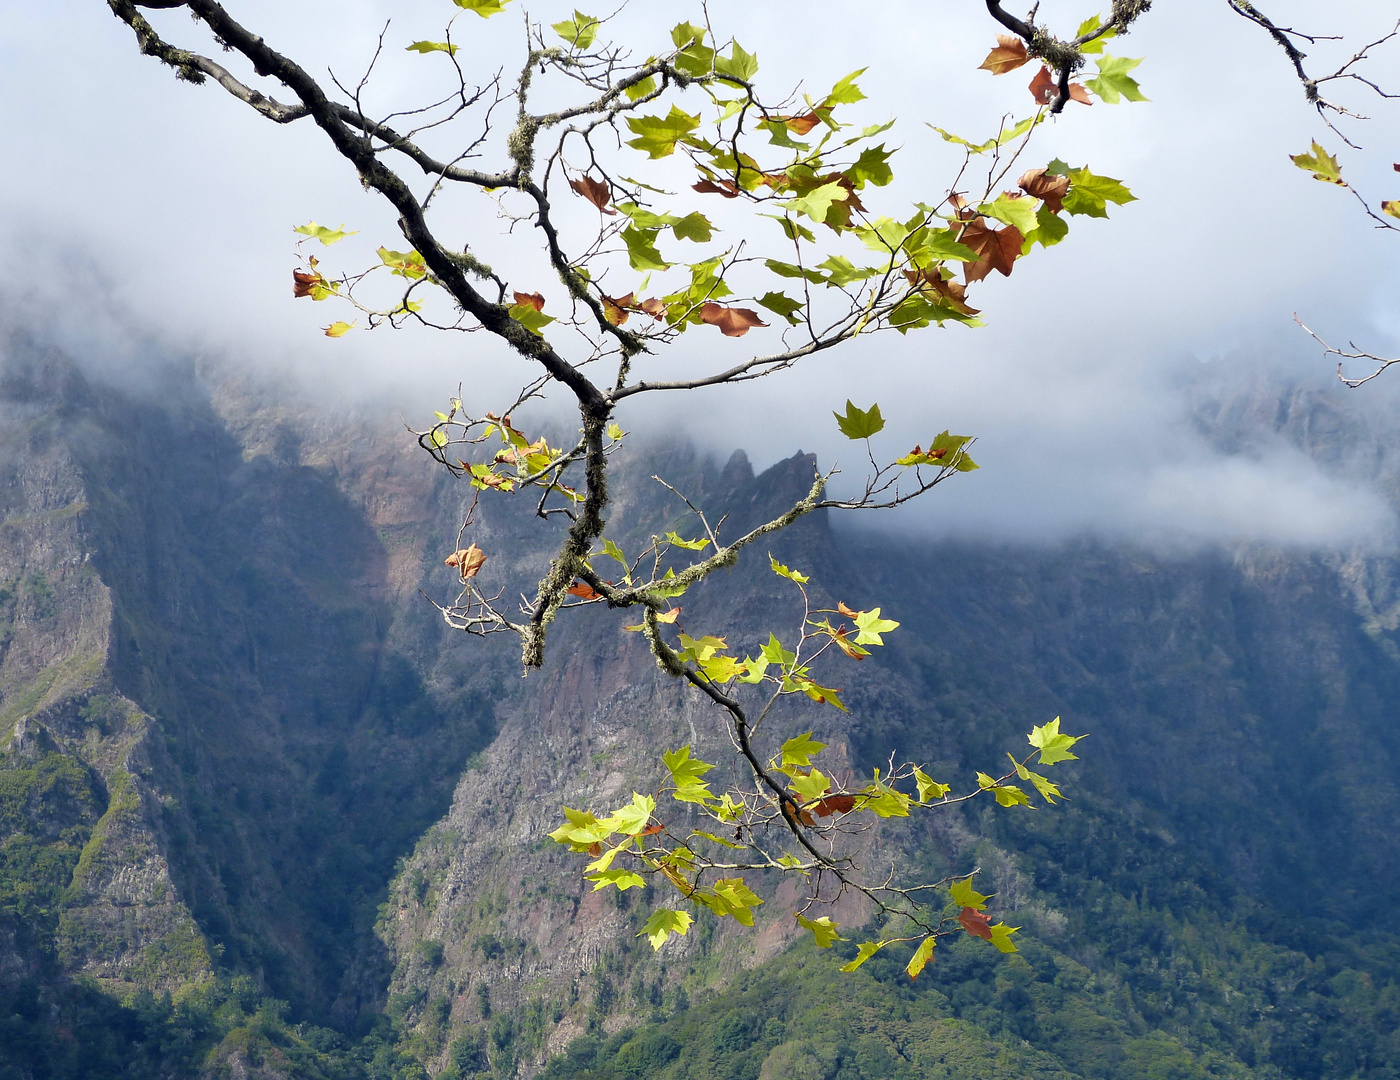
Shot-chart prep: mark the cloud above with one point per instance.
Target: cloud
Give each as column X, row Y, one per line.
column 158, row 213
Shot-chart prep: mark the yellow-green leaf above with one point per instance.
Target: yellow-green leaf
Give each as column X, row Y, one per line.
column 823, row 929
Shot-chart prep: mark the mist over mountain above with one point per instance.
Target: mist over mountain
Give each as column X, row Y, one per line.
column 265, row 815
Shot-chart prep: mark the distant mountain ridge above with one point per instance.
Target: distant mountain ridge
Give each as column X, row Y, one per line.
column 240, row 745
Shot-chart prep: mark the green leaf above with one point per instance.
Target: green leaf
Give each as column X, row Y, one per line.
column 426, row 47
column 663, row 923
column 817, row 202
column 1052, row 744
column 846, row 92
column 922, row 955
column 1007, row 134
column 885, row 801
column 641, row 89
column 936, row 245
column 675, row 540
column 865, row 952
column 1048, row 790
column 614, row 552
column 484, row 8
column 872, row 167
column 781, row 304
column 622, row 879
column 1088, row 26
column 1049, row 229
column 730, row 896
column 860, row 423
column 738, row 64
column 930, row 789
column 405, row 264
column 687, row 33
column 782, row 571
column 530, row 317
column 810, row 785
column 841, row 271
column 642, row 252
column 800, row 749
column 686, row 772
column 632, row 818
column 580, row 31
column 701, row 649
column 1005, row 794
column 823, row 929
column 871, row 626
column 1113, row 81
column 1320, row 163
column 964, row 895
column 1090, row 195
column 1001, row 937
column 774, row 653
column 1017, row 212
column 696, row 227
column 658, row 135
column 581, row 830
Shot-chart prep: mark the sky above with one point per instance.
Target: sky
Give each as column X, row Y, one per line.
column 145, row 215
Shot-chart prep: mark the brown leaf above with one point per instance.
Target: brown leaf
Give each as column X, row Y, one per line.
column 652, row 830
column 1078, row 93
column 583, row 591
column 732, row 322
column 949, row 293
column 850, row 648
column 534, row 300
column 653, row 307
column 1043, row 87
column 801, row 125
column 595, row 191
column 728, row 188
column 303, row 283
column 595, row 849
column 998, row 248
column 1009, row 54
column 1050, row 188
column 468, row 561
column 850, row 613
column 976, row 923
column 615, row 311
column 835, row 804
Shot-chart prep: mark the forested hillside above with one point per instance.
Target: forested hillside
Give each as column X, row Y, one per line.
column 263, row 814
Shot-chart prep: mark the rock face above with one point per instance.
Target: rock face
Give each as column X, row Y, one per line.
column 237, row 739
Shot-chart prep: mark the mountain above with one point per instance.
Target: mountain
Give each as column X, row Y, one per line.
column 264, row 814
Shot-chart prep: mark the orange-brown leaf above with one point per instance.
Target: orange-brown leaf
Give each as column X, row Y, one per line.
column 835, row 804
column 595, row 191
column 846, row 645
column 949, row 293
column 976, row 923
column 998, row 250
column 1078, row 93
column 1009, row 54
column 801, row 125
column 303, row 283
column 728, row 188
column 583, row 591
column 653, row 307
column 850, row 613
column 652, row 830
column 595, row 849
column 468, row 561
column 732, row 322
column 1039, row 185
column 1043, row 87
column 615, row 311
column 532, row 299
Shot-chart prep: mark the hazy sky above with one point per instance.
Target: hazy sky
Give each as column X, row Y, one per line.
column 137, row 209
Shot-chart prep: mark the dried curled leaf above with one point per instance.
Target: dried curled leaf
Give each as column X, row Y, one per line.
column 595, row 191
column 534, row 300
column 1040, row 185
column 732, row 322
column 727, row 188
column 1009, row 54
column 467, row 561
column 998, row 250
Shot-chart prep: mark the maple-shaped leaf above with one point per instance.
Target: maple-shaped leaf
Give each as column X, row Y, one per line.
column 1090, row 195
column 871, row 626
column 799, row 751
column 975, row 923
column 615, row 310
column 921, row 957
column 584, row 591
column 1321, row 164
column 997, row 249
column 727, row 188
column 964, row 895
column 580, row 31
column 338, row 329
column 840, row 636
column 618, row 877
column 1077, row 92
column 783, row 571
column 653, row 307
column 663, row 923
column 834, row 804
column 1039, row 184
column 1001, row 937
column 1043, row 87
column 1009, row 54
column 1113, row 81
column 534, row 300
column 823, row 929
column 595, row 191
column 1053, row 744
column 732, row 322
column 323, row 234
column 801, row 125
column 866, row 950
column 426, row 47
column 686, row 773
column 859, row 423
column 468, row 561
column 929, row 788
column 632, row 818
column 484, row 8
column 945, row 291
